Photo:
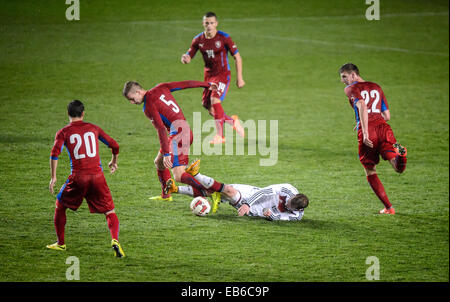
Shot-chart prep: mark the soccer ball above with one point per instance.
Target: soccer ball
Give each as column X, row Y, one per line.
column 200, row 206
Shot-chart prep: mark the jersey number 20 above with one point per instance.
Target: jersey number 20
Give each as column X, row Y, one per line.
column 89, row 142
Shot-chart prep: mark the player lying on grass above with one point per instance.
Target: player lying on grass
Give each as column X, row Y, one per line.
column 175, row 135
column 275, row 202
column 214, row 46
column 375, row 136
column 86, row 179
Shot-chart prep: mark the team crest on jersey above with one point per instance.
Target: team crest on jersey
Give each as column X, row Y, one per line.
column 200, row 44
column 218, row 44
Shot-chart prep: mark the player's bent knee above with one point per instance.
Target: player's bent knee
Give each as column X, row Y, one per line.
column 370, row 171
column 398, row 170
column 159, row 163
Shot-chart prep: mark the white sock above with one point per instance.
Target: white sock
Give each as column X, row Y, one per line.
column 206, row 181
column 236, row 198
column 186, row 190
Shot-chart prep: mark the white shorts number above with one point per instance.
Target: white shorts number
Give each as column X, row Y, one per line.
column 221, row 87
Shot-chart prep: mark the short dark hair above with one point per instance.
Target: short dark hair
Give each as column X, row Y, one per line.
column 299, row 201
column 75, row 108
column 209, row 15
column 130, row 85
column 349, row 68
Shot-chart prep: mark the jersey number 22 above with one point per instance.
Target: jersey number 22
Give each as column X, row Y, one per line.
column 375, row 95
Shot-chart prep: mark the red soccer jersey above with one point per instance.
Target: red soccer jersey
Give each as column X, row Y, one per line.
column 81, row 141
column 214, row 51
column 162, row 109
column 372, row 94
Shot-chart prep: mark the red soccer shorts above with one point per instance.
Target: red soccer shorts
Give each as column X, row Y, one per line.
column 92, row 187
column 223, row 82
column 179, row 145
column 383, row 139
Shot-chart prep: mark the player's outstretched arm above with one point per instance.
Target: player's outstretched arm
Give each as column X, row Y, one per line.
column 238, row 63
column 174, row 86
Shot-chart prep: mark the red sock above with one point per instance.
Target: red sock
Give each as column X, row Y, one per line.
column 219, row 117
column 197, row 192
column 60, row 222
column 378, row 188
column 400, row 163
column 228, row 119
column 188, row 179
column 113, row 225
column 216, row 187
column 163, row 176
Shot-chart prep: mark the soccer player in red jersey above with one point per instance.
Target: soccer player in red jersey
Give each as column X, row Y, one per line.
column 214, row 46
column 86, row 179
column 375, row 136
column 167, row 117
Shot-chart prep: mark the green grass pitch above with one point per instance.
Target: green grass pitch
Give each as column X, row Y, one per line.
column 291, row 52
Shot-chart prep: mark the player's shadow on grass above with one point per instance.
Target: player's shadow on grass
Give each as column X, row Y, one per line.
column 304, row 223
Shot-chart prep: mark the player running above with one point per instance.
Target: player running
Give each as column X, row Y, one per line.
column 375, row 136
column 168, row 118
column 214, row 46
column 86, row 179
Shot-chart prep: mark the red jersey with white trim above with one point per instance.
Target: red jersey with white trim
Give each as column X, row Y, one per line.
column 81, row 141
column 162, row 109
column 214, row 51
column 372, row 94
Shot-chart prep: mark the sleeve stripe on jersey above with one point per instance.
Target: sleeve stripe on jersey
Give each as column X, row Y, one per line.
column 383, row 106
column 175, row 89
column 297, row 217
column 287, row 192
column 275, row 217
column 103, row 140
column 258, row 195
column 223, row 33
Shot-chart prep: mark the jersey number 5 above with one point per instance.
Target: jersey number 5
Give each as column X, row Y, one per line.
column 375, row 95
column 170, row 103
column 89, row 142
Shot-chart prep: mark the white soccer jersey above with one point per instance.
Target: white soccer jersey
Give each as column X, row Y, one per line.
column 273, row 197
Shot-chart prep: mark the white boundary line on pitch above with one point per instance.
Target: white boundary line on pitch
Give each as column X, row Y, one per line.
column 362, row 16
column 358, row 45
column 394, row 15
